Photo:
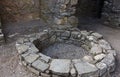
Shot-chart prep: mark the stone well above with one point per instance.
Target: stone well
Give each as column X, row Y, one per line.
column 99, row 63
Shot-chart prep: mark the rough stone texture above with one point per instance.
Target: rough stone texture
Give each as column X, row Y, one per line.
column 73, row 20
column 97, row 35
column 65, row 10
column 60, row 67
column 88, row 59
column 75, row 34
column 111, row 13
column 60, row 11
column 104, row 44
column 85, row 33
column 41, row 66
column 93, row 64
column 99, row 57
column 112, row 52
column 22, row 48
column 85, row 69
column 31, row 58
column 102, row 68
column 33, row 49
column 65, row 35
column 74, row 2
column 109, row 60
column 96, row 49
column 25, row 54
column 44, row 57
column 20, row 41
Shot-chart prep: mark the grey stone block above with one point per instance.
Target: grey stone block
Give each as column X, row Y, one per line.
column 60, row 66
column 21, row 48
column 31, row 58
column 41, row 66
column 85, row 69
column 102, row 68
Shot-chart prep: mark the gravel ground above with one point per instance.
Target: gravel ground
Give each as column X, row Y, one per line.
column 9, row 61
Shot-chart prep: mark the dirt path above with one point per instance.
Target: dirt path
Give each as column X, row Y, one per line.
column 9, row 61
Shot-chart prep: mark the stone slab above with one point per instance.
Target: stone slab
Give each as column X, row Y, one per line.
column 38, row 64
column 31, row 58
column 86, row 69
column 22, row 48
column 44, row 57
column 60, row 66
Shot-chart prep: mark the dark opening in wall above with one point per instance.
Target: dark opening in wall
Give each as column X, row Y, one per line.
column 89, row 8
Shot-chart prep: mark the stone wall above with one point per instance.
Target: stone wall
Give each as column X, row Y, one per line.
column 61, row 12
column 111, row 13
column 46, row 11
column 17, row 10
column 60, row 15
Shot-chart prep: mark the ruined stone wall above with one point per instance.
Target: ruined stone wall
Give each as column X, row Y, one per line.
column 111, row 13
column 48, row 10
column 59, row 13
column 17, row 10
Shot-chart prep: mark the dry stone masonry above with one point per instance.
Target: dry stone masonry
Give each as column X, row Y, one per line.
column 100, row 63
column 111, row 13
column 61, row 12
column 65, row 10
column 64, row 14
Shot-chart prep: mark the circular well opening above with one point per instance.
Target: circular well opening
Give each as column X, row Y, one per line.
column 65, row 51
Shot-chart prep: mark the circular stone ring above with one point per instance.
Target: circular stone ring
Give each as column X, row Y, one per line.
column 99, row 64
